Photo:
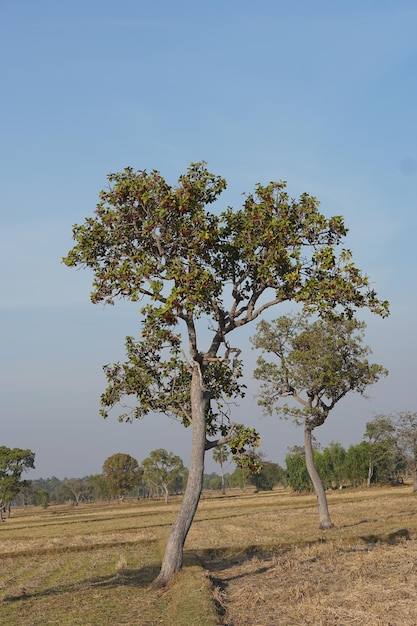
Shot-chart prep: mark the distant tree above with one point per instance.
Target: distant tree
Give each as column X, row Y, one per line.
column 316, row 364
column 405, row 423
column 221, row 456
column 215, row 482
column 297, row 474
column 99, row 486
column 239, row 478
column 383, row 453
column 268, row 477
column 209, row 273
column 162, row 469
column 78, row 489
column 333, row 459
column 121, row 473
column 13, row 462
column 43, row 498
column 356, row 464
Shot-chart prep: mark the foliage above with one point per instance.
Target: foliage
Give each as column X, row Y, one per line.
column 296, row 472
column 163, row 470
column 121, row 473
column 78, row 489
column 356, row 464
column 385, row 461
column 13, row 462
column 158, row 244
column 406, row 432
column 317, row 364
column 332, row 465
column 269, row 476
column 239, row 478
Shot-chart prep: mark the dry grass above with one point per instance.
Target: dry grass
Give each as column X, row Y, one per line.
column 274, row 567
column 261, row 562
column 92, row 566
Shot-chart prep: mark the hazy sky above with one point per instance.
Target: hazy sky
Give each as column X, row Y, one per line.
column 321, row 94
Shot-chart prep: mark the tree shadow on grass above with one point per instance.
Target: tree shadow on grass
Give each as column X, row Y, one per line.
column 142, row 577
column 394, row 538
column 221, row 560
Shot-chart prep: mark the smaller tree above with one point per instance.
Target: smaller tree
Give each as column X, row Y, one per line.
column 78, row 489
column 13, row 462
column 221, row 456
column 121, row 473
column 317, row 364
column 161, row 469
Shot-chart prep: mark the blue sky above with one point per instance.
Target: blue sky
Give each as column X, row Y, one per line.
column 322, row 95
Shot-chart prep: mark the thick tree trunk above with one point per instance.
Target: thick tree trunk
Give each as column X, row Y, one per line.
column 324, row 517
column 172, row 561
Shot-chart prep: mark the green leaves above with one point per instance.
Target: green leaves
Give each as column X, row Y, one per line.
column 316, row 364
column 162, row 246
column 13, row 462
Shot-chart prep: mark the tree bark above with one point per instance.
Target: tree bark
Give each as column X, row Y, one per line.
column 414, row 480
column 370, row 474
column 173, row 557
column 324, row 517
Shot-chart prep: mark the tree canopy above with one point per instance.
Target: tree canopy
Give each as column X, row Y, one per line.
column 162, row 469
column 13, row 462
column 205, row 273
column 121, row 473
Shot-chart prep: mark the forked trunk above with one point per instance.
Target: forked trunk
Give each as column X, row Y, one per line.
column 324, row 517
column 173, row 557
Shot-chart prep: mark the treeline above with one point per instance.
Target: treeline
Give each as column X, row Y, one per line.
column 159, row 475
column 387, row 455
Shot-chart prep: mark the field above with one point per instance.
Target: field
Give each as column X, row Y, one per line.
column 250, row 559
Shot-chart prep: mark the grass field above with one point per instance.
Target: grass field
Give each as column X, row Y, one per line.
column 250, row 559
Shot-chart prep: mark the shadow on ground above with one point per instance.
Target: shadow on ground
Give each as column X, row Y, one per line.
column 142, row 577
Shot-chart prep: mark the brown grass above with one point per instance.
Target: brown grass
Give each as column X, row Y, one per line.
column 250, row 559
column 274, row 567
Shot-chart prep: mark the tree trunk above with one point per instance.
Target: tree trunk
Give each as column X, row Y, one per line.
column 324, row 517
column 222, row 475
column 173, row 557
column 414, row 480
column 166, row 493
column 370, row 474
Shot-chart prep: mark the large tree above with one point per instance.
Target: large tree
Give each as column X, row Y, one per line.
column 315, row 364
column 207, row 273
column 13, row 462
column 162, row 469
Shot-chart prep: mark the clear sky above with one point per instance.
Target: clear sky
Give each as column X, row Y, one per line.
column 320, row 94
